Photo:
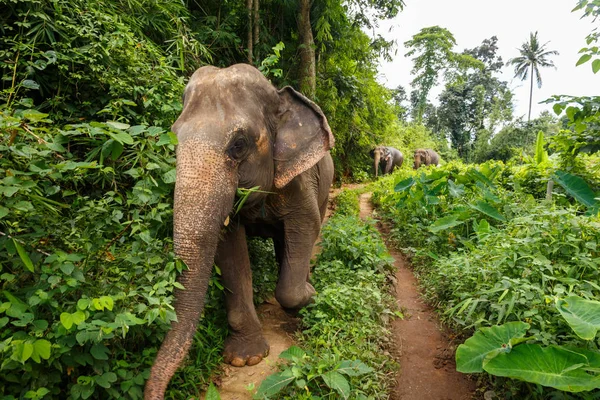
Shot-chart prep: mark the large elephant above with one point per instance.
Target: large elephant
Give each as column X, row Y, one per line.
column 237, row 131
column 426, row 157
column 388, row 157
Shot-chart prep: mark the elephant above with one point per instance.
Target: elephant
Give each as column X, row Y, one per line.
column 426, row 157
column 236, row 130
column 390, row 157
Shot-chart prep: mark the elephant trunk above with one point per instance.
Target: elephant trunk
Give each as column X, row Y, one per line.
column 204, row 194
column 417, row 163
column 376, row 163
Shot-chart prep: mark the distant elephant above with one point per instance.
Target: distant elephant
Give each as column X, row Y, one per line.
column 238, row 131
column 426, row 157
column 388, row 157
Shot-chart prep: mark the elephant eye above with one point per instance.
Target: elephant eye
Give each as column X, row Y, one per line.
column 238, row 148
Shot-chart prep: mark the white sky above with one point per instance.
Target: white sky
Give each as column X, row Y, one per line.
column 472, row 21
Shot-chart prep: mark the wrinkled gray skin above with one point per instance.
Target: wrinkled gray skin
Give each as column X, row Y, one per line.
column 237, row 130
column 426, row 157
column 388, row 157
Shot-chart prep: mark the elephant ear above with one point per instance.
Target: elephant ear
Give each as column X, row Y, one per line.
column 303, row 136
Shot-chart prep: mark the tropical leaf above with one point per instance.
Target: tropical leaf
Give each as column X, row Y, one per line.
column 405, row 185
column 24, row 256
column 487, row 343
column 488, row 209
column 455, row 190
column 274, row 383
column 576, row 187
column 354, row 368
column 294, row 352
column 445, row 223
column 552, row 366
column 582, row 315
column 337, row 382
column 541, row 155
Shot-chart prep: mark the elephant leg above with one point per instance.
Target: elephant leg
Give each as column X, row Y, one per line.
column 293, row 291
column 245, row 344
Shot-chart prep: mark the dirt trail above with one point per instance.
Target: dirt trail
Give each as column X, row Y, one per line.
column 426, row 355
column 278, row 329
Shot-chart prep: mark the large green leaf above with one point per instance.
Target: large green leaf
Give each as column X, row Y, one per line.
column 293, row 353
column 486, row 343
column 576, row 187
column 488, row 209
column 445, row 223
column 405, row 185
column 582, row 315
column 353, row 368
column 24, row 256
column 455, row 190
column 274, row 383
column 552, row 366
column 337, row 382
column 541, row 155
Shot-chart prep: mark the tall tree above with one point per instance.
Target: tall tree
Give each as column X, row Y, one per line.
column 533, row 56
column 476, row 101
column 432, row 48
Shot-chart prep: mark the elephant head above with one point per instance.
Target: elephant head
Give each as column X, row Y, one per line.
column 422, row 156
column 378, row 154
column 235, row 130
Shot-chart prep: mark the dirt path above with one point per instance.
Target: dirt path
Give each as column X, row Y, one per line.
column 425, row 353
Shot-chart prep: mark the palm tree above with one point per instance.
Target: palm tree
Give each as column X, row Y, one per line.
column 533, row 55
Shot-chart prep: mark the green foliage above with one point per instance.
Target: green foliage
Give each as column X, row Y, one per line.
column 308, row 371
column 569, row 369
column 579, row 189
column 94, row 57
column 516, row 140
column 344, row 330
column 347, row 203
column 267, row 65
column 433, row 51
column 591, row 9
column 464, row 196
column 487, row 254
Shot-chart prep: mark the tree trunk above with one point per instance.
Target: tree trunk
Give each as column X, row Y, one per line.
column 530, row 93
column 249, row 35
column 549, row 188
column 308, row 81
column 256, row 22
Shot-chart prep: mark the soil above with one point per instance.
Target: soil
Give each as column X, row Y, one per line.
column 423, row 349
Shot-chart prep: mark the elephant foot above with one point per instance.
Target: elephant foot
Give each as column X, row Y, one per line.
column 295, row 298
column 241, row 350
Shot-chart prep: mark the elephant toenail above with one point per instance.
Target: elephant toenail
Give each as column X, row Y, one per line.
column 238, row 362
column 254, row 360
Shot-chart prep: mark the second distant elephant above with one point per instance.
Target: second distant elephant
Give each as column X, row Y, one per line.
column 425, row 157
column 388, row 157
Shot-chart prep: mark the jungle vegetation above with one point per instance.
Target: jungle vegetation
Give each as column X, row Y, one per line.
column 88, row 92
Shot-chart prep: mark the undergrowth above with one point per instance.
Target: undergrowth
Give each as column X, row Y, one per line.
column 486, row 254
